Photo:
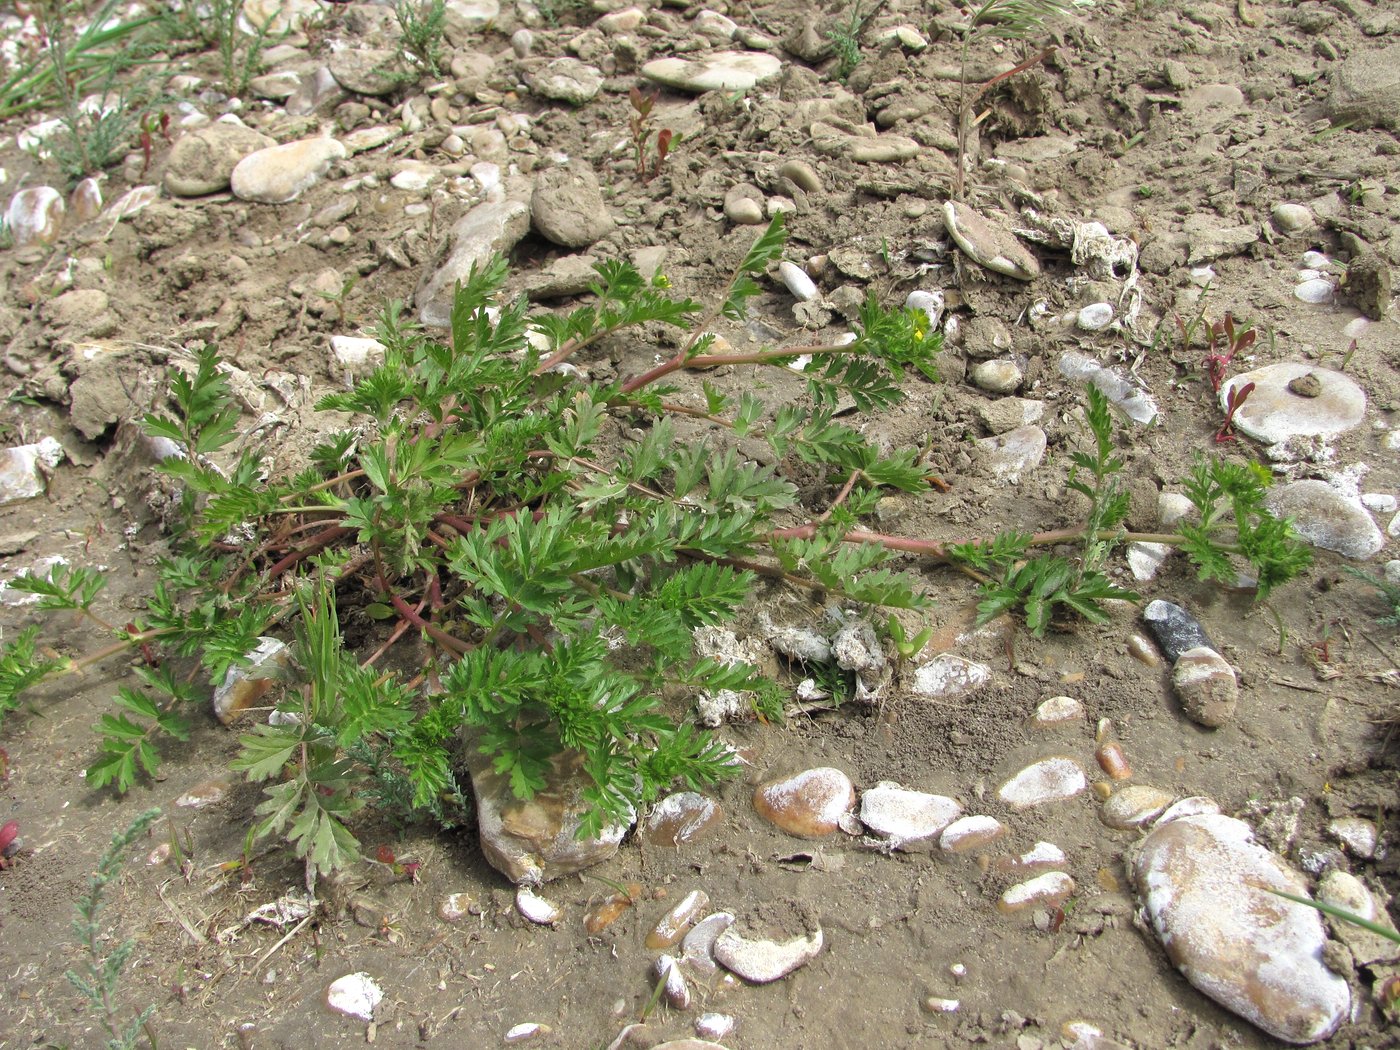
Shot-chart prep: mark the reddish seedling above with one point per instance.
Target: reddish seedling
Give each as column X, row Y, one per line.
column 641, row 112
column 1225, row 341
column 1233, row 400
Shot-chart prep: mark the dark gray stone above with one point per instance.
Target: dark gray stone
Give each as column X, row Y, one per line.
column 1175, row 629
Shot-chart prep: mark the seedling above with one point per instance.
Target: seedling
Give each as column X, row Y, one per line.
column 906, row 647
column 846, row 36
column 421, row 27
column 1236, row 397
column 638, row 125
column 1225, row 341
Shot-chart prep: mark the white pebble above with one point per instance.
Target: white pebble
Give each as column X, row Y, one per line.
column 535, row 908
column 523, row 1033
column 930, row 302
column 1058, row 711
column 1380, row 502
column 1316, row 260
column 1316, row 290
column 797, row 281
column 355, row 995
column 1095, row 317
column 1049, row 780
column 1354, row 327
column 714, row 1026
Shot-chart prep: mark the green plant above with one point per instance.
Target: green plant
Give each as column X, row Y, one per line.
column 1004, row 20
column 341, row 295
column 421, row 24
column 845, row 37
column 1389, row 591
column 240, row 54
column 1387, row 932
column 471, row 505
column 1232, row 522
column 100, row 977
column 906, row 647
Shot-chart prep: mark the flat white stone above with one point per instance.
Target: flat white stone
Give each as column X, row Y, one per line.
column 22, row 469
column 908, row 820
column 1326, row 518
column 1049, row 890
column 797, row 282
column 1204, row 884
column 1095, row 317
column 1058, row 711
column 1315, row 290
column 1145, row 560
column 991, row 246
column 354, row 995
column 762, row 961
column 1274, row 413
column 1357, row 834
column 1134, row 807
column 1049, row 780
column 969, row 833
column 716, row 71
column 1010, row 455
column 352, row 351
column 948, row 675
column 279, row 174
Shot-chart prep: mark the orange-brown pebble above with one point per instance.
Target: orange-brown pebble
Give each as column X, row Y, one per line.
column 1113, row 761
column 1047, row 891
column 681, row 818
column 1107, row 880
column 809, row 804
column 970, row 833
column 599, row 917
column 1141, row 650
column 684, row 914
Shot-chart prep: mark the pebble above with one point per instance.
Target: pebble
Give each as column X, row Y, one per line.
column 354, row 995
column 1113, row 761
column 1366, row 89
column 525, row 1032
column 414, row 176
column 1049, row 890
column 929, row 302
column 743, row 204
column 362, row 140
column 318, row 93
column 764, row 961
column 1193, row 806
column 457, row 906
column 1009, row 413
column 204, row 794
column 1175, row 629
column 698, row 946
column 1345, row 891
column 467, row 18
column 802, row 175
column 246, row 684
column 907, row 820
column 681, row 818
column 356, row 352
column 1131, row 400
column 1203, row 882
column 86, row 200
column 1206, row 686
column 1326, row 518
column 1357, row 834
column 535, row 908
column 35, row 216
column 1315, row 290
column 936, row 1005
column 491, row 227
column 989, row 245
column 606, row 912
column 947, row 675
column 1049, row 780
column 278, row 174
column 364, row 71
column 681, row 916
column 1135, row 807
column 1292, row 218
column 715, row 1026
column 809, row 804
column 715, row 71
column 1042, row 856
column 969, row 833
column 535, row 840
column 675, row 990
column 568, row 80
column 795, row 279
column 1145, row 560
column 1008, row 456
column 862, row 148
column 567, row 208
column 1058, row 711
column 714, row 26
column 1143, row 651
column 997, row 376
column 1095, row 317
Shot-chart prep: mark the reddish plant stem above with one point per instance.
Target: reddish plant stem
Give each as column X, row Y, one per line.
column 320, row 540
column 758, row 357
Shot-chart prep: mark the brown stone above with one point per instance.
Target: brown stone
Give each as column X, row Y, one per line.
column 809, row 804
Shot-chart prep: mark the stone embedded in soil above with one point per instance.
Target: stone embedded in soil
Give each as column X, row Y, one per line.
column 1192, row 806
column 906, row 820
column 85, row 202
column 1049, row 780
column 318, row 93
column 802, row 175
column 1205, row 684
column 997, row 376
column 365, row 71
column 1292, row 218
column 698, row 947
column 279, row 174
column 970, row 833
column 743, row 205
column 1204, row 884
column 568, row 80
column 1049, row 890
column 1367, row 284
column 1009, row 413
column 715, row 1026
column 1058, row 711
column 1132, row 401
column 464, row 19
column 205, row 794
column 681, row 818
column 354, row 995
column 35, row 216
column 1366, row 90
column 988, row 244
column 1007, row 457
column 535, row 840
column 795, row 279
column 525, row 1032
column 24, row 468
column 567, row 208
column 1356, row 834
column 809, row 804
column 1275, row 412
column 246, row 684
column 1112, row 760
column 762, row 961
column 947, row 675
column 1345, row 891
column 679, row 918
column 356, row 352
column 1043, row 856
column 1145, row 560
column 1175, row 629
column 495, row 226
column 1326, row 518
column 864, row 146
column 457, row 906
column 716, row 71
column 1134, row 807
column 535, row 908
column 674, row 988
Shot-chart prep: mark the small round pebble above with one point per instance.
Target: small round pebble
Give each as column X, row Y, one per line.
column 1049, row 780
column 809, row 804
column 1058, row 711
column 1135, row 807
column 354, row 995
column 1095, row 317
column 1206, row 686
column 969, row 833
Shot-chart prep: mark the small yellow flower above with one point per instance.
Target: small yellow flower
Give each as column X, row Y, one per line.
column 661, row 281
